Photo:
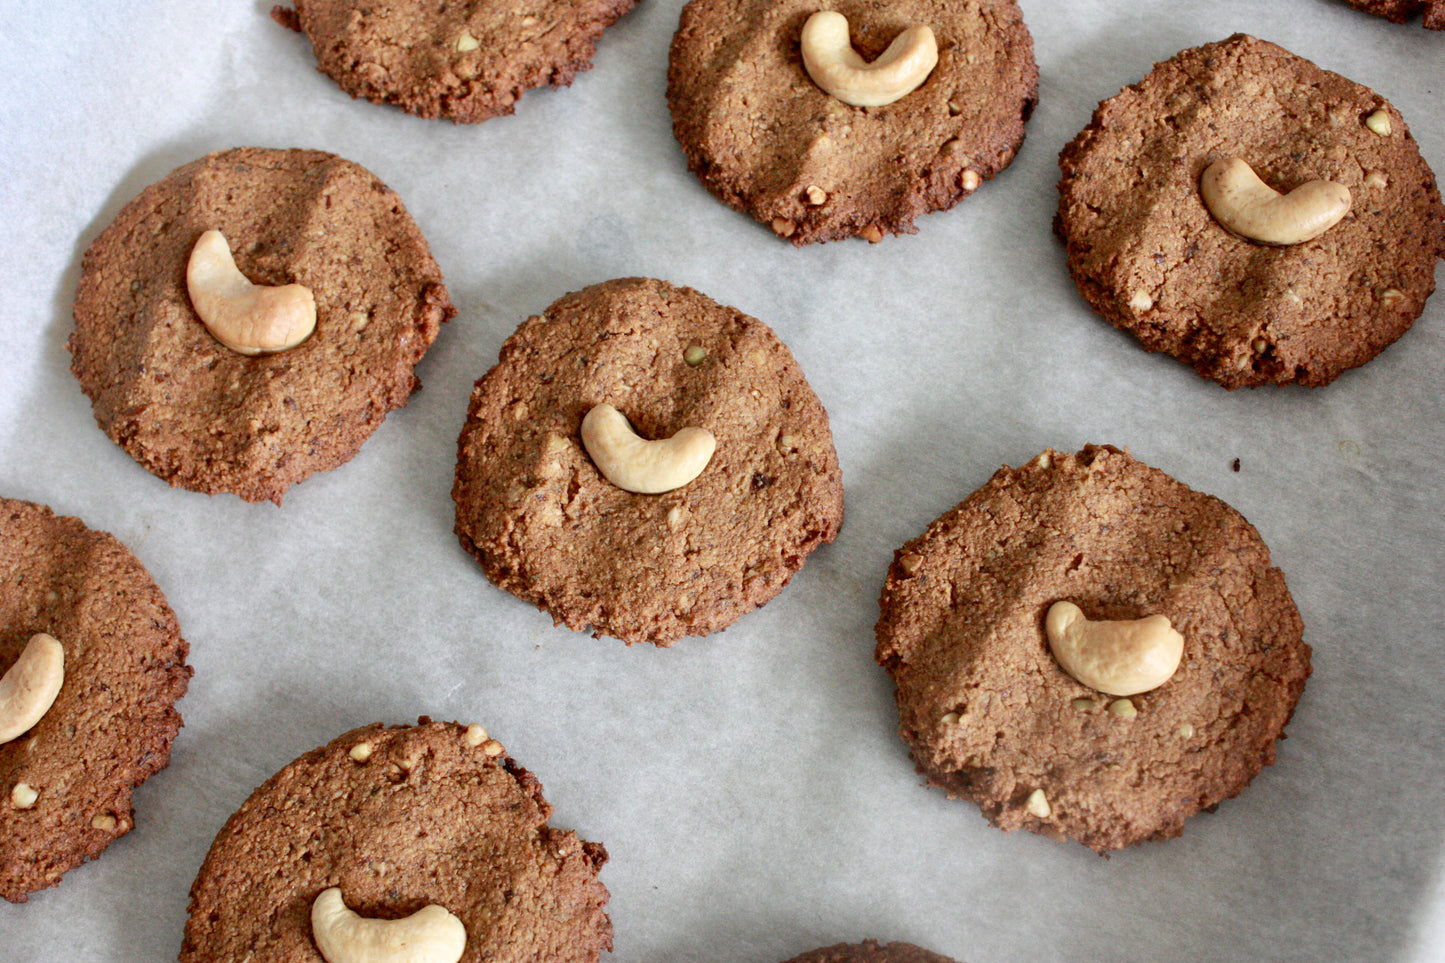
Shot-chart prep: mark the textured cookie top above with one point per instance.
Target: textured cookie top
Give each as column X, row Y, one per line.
column 112, row 723
column 1149, row 257
column 992, row 717
column 400, row 818
column 766, row 139
column 548, row 527
column 870, row 951
column 1399, row 11
column 462, row 61
column 204, row 417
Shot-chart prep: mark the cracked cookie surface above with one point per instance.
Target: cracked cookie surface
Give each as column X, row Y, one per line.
column 765, row 139
column 1146, row 254
column 547, row 527
column 989, row 714
column 462, row 61
column 400, row 817
column 206, row 418
column 112, row 723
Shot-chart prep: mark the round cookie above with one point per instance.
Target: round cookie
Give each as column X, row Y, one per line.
column 990, row 716
column 1399, row 11
column 870, row 951
column 1148, row 256
column 549, row 528
column 465, row 62
column 207, row 418
column 66, row 783
column 763, row 137
column 400, row 818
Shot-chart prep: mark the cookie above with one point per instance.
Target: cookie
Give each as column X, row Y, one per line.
column 207, row 418
column 548, row 527
column 1148, row 255
column 465, row 62
column 67, row 779
column 400, row 818
column 766, row 139
column 870, row 951
column 991, row 715
column 1399, row 11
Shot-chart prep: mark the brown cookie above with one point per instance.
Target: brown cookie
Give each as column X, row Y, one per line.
column 1148, row 255
column 991, row 716
column 67, row 780
column 465, row 61
column 870, row 951
column 549, row 528
column 207, row 418
column 1399, row 11
column 400, row 818
column 767, row 140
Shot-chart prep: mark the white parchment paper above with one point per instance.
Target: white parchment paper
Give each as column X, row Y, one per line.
column 750, row 786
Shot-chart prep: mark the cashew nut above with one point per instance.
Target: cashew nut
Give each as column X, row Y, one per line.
column 30, row 686
column 835, row 66
column 1247, row 207
column 1118, row 658
column 247, row 318
column 646, row 467
column 430, row 935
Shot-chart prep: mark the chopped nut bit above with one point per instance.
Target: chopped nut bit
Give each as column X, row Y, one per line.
column 816, row 195
column 1379, row 122
column 1184, row 730
column 970, row 180
column 783, row 227
column 493, row 748
column 476, row 735
column 1391, row 296
column 949, row 719
column 910, row 563
column 695, row 355
column 105, row 822
column 467, row 42
column 872, row 234
column 1141, row 301
column 361, row 751
column 23, row 796
column 1123, row 708
column 1083, row 705
column 1038, row 804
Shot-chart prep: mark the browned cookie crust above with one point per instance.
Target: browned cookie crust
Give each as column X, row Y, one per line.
column 870, row 951
column 113, row 722
column 767, row 140
column 989, row 714
column 1399, row 11
column 1147, row 255
column 202, row 416
column 400, row 818
column 548, row 528
column 462, row 61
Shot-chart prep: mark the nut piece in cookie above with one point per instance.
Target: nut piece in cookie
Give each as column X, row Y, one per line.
column 203, row 363
column 850, row 122
column 93, row 663
column 427, row 836
column 646, row 541
column 1260, row 219
column 464, row 62
column 1123, row 736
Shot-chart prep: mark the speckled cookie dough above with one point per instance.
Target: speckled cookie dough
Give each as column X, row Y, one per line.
column 549, row 527
column 206, row 417
column 461, row 61
column 992, row 716
column 764, row 137
column 399, row 819
column 66, row 779
column 1149, row 255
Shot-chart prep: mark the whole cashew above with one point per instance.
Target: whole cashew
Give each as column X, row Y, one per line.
column 646, row 467
column 30, row 686
column 247, row 318
column 1118, row 658
column 430, row 935
column 835, row 66
column 1249, row 208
